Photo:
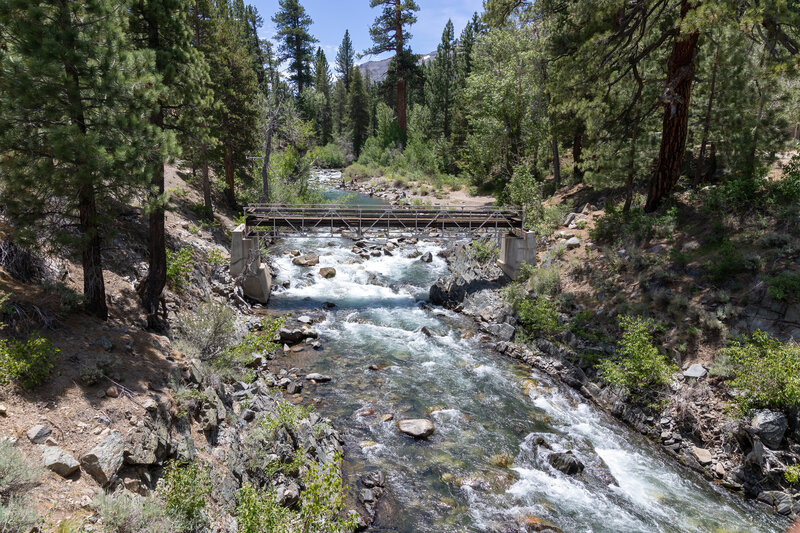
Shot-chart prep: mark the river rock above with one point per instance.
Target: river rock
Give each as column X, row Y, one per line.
column 504, row 331
column 291, row 334
column 771, row 426
column 702, row 455
column 38, row 434
column 327, row 272
column 104, row 460
column 59, row 461
column 307, row 260
column 418, row 428
column 566, row 462
column 295, row 387
column 427, row 257
column 696, row 371
column 319, row 378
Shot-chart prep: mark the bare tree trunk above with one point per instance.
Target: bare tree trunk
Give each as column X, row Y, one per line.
column 230, row 191
column 267, row 154
column 554, row 137
column 701, row 159
column 577, row 154
column 676, row 98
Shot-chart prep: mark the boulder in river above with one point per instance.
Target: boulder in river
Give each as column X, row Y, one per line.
column 427, row 257
column 327, row 272
column 319, row 378
column 307, row 260
column 419, row 428
column 566, row 462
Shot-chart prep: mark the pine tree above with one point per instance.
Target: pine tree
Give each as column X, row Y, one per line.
column 322, row 85
column 389, row 34
column 339, row 107
column 75, row 99
column 296, row 44
column 345, row 59
column 358, row 111
column 163, row 28
column 236, row 113
column 440, row 83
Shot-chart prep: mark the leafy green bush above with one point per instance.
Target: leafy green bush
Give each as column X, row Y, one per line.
column 765, row 371
column 784, row 286
column 320, row 509
column 539, row 317
column 27, row 363
column 483, row 251
column 728, row 262
column 792, row 474
column 232, row 363
column 185, row 487
column 207, row 331
column 640, row 366
column 329, row 156
column 123, row 512
column 179, row 267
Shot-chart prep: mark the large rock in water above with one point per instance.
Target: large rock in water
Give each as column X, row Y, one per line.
column 419, row 428
column 308, row 260
column 566, row 462
column 771, row 426
column 104, row 460
column 469, row 279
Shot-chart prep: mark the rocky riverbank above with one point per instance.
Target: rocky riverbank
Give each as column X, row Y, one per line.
column 695, row 426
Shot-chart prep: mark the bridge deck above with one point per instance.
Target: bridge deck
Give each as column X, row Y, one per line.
column 305, row 219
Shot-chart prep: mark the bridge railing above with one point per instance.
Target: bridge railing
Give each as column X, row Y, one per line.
column 305, row 219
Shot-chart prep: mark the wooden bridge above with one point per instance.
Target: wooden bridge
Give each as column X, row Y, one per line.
column 272, row 219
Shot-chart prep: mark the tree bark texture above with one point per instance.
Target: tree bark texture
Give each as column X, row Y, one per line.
column 676, row 98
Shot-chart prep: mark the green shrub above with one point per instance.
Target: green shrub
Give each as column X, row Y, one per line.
column 792, row 474
column 635, row 225
column 259, row 511
column 329, row 156
column 179, row 268
column 483, row 251
column 728, row 262
column 639, row 366
column 232, row 364
column 69, row 299
column 765, row 371
column 123, row 512
column 207, row 331
column 27, row 363
column 784, row 286
column 184, row 488
column 539, row 317
column 17, row 516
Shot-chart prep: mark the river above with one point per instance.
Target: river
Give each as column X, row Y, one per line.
column 485, row 468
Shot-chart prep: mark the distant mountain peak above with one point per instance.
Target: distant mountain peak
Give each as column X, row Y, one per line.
column 377, row 69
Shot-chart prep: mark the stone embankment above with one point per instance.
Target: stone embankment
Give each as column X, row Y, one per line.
column 747, row 456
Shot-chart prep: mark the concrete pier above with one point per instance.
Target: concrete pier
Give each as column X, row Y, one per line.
column 246, row 267
column 515, row 250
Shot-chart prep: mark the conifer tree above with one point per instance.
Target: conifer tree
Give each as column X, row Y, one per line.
column 358, row 111
column 389, row 34
column 322, row 85
column 296, row 43
column 163, row 28
column 345, row 59
column 440, row 82
column 339, row 106
column 75, row 102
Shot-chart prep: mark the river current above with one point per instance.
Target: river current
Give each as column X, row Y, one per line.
column 497, row 421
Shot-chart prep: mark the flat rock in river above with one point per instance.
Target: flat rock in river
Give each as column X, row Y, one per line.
column 307, row 260
column 419, row 428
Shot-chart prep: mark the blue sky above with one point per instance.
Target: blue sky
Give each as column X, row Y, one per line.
column 332, row 17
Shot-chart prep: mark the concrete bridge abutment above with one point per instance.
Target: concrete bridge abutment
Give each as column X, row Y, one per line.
column 516, row 250
column 246, row 267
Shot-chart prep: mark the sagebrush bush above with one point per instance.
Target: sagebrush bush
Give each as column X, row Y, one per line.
column 124, row 512
column 765, row 371
column 17, row 477
column 29, row 363
column 545, row 281
column 17, row 516
column 206, row 331
column 640, row 367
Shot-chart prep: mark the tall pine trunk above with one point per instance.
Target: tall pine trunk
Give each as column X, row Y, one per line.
column 153, row 286
column 206, row 182
column 267, row 155
column 676, row 98
column 577, row 154
column 401, row 82
column 230, row 190
column 94, row 288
